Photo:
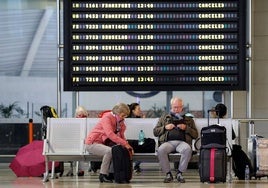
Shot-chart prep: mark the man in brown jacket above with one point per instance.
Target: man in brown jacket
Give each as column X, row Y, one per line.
column 175, row 132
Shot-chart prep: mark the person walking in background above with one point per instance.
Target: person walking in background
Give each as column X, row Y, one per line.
column 175, row 132
column 110, row 129
column 135, row 112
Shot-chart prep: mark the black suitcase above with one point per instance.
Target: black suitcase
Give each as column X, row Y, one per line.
column 213, row 165
column 122, row 163
column 213, row 135
column 213, row 156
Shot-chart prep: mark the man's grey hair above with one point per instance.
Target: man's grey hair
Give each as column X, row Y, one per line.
column 173, row 99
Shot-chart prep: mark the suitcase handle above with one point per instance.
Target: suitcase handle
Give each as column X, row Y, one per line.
column 213, row 110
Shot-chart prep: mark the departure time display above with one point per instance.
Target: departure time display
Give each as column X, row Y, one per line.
column 154, row 45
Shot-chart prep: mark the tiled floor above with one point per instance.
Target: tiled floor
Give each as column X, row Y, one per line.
column 151, row 176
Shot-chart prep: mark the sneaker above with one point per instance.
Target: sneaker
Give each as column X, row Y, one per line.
column 168, row 178
column 137, row 169
column 180, row 178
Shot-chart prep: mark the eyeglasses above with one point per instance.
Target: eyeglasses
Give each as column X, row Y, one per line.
column 177, row 107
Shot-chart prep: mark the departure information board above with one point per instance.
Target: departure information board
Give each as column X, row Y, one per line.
column 171, row 45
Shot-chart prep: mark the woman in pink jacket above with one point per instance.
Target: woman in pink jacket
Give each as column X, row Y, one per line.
column 110, row 129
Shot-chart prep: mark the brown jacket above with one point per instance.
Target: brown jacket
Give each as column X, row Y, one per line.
column 160, row 131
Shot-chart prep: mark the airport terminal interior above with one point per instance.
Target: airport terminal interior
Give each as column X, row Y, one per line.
column 31, row 75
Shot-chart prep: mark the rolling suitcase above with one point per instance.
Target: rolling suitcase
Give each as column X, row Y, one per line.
column 213, row 165
column 213, row 135
column 122, row 163
column 213, row 156
column 258, row 154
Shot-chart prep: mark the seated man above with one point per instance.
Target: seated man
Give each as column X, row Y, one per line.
column 175, row 132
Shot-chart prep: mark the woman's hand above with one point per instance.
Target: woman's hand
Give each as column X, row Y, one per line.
column 129, row 148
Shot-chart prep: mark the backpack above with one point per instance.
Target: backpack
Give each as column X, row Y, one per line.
column 240, row 160
column 48, row 112
column 147, row 147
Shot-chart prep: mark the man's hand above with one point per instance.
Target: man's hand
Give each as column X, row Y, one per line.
column 181, row 126
column 169, row 126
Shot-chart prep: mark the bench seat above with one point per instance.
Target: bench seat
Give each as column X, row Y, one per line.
column 65, row 139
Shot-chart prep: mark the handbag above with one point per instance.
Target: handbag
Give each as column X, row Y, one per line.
column 176, row 134
column 147, row 147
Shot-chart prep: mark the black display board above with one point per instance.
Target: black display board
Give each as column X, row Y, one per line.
column 154, row 45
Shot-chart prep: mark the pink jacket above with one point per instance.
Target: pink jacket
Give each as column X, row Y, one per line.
column 104, row 129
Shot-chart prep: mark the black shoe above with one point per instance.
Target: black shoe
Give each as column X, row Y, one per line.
column 180, row 178
column 104, row 178
column 168, row 178
column 137, row 169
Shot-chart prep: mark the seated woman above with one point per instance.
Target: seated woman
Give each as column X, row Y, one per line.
column 135, row 112
column 110, row 128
